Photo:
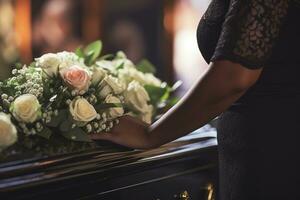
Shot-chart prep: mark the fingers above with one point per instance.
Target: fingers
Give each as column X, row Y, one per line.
column 101, row 136
column 130, row 119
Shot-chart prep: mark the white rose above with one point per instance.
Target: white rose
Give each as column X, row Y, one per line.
column 106, row 64
column 110, row 85
column 125, row 63
column 137, row 97
column 8, row 132
column 68, row 59
column 98, row 74
column 49, row 63
column 116, row 111
column 26, row 108
column 129, row 74
column 82, row 111
column 66, row 55
column 147, row 116
column 150, row 79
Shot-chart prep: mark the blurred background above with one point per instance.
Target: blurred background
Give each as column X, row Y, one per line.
column 163, row 31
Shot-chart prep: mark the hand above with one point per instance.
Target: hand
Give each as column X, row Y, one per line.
column 130, row 132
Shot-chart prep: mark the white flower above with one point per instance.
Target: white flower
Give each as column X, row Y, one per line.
column 110, row 85
column 82, row 111
column 106, row 64
column 49, row 63
column 150, row 79
column 137, row 97
column 116, row 111
column 132, row 74
column 8, row 132
column 124, row 62
column 98, row 74
column 145, row 117
column 26, row 108
column 68, row 59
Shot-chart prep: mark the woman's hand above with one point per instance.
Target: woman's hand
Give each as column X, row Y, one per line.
column 130, row 132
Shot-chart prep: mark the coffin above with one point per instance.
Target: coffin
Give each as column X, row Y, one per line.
column 183, row 169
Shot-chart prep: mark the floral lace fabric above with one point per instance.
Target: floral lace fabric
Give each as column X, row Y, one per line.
column 250, row 31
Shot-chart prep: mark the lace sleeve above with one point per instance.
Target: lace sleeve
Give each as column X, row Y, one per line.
column 250, row 30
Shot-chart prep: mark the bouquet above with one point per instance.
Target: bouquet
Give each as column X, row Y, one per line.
column 69, row 95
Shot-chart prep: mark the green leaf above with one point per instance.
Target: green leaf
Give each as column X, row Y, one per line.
column 88, row 59
column 66, row 125
column 121, row 66
column 93, row 51
column 45, row 133
column 79, row 52
column 18, row 65
column 56, row 121
column 77, row 134
column 172, row 101
column 146, row 67
column 157, row 93
column 33, row 65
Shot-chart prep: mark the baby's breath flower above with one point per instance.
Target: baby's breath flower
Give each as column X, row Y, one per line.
column 68, row 101
column 44, row 115
column 96, row 125
column 38, row 125
column 14, row 71
column 98, row 117
column 33, row 131
column 99, row 130
column 36, row 86
column 4, row 96
column 89, row 128
column 74, row 93
column 10, row 99
column 48, row 119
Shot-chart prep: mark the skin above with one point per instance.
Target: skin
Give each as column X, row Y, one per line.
column 223, row 83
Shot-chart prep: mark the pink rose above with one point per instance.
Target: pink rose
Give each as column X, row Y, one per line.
column 77, row 78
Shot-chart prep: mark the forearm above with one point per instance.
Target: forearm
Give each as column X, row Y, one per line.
column 210, row 96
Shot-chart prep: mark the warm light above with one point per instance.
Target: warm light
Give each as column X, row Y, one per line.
column 23, row 29
column 188, row 62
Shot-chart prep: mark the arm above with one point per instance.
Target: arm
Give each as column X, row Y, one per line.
column 246, row 42
column 222, row 84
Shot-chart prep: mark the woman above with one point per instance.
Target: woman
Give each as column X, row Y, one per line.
column 252, row 47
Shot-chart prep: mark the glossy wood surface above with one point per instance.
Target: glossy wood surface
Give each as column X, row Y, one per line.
column 108, row 169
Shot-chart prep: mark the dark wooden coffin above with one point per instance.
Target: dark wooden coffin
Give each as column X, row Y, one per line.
column 183, row 169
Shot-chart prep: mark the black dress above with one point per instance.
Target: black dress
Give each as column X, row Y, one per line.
column 259, row 135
